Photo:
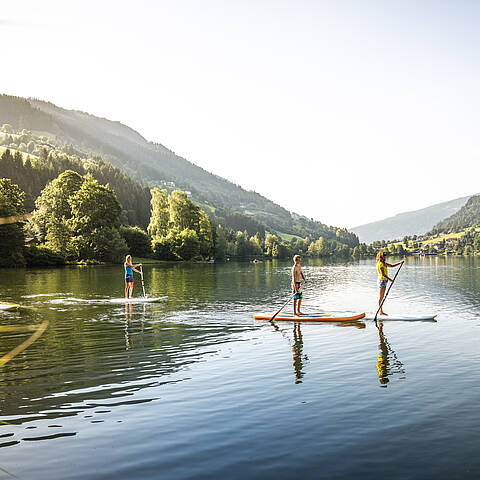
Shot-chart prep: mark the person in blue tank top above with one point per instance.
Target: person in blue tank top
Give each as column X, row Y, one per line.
column 129, row 269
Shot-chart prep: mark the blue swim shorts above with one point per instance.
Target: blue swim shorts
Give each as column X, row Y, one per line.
column 128, row 278
column 299, row 294
column 382, row 283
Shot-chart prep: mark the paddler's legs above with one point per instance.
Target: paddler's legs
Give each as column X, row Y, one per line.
column 298, row 309
column 129, row 290
column 294, row 306
column 380, row 298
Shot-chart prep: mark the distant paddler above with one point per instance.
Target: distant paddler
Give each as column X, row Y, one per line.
column 297, row 276
column 383, row 277
column 129, row 269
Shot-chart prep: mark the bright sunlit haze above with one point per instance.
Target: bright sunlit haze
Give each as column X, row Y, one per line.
column 344, row 111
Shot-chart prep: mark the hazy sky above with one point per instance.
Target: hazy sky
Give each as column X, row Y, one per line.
column 345, row 111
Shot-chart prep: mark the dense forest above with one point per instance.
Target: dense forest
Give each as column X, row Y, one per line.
column 32, row 173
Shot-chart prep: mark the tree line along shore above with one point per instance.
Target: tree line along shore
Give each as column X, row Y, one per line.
column 77, row 219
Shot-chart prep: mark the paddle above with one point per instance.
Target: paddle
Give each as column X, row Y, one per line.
column 283, row 306
column 388, row 290
column 143, row 284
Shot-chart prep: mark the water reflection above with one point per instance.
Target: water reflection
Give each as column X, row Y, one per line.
column 299, row 358
column 297, row 351
column 388, row 363
column 128, row 325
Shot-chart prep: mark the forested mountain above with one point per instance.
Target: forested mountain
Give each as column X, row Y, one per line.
column 416, row 222
column 154, row 165
column 125, row 148
column 467, row 216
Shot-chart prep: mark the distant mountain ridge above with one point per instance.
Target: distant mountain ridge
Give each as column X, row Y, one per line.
column 416, row 222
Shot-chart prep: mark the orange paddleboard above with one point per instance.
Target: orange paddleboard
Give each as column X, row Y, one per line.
column 311, row 317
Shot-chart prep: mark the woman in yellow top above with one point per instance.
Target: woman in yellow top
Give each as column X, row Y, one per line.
column 383, row 277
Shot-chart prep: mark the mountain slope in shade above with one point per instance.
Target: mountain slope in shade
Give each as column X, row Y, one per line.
column 416, row 222
column 145, row 161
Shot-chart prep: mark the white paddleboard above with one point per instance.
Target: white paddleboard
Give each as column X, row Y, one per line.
column 138, row 300
column 401, row 317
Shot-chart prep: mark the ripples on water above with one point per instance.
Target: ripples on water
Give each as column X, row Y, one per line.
column 193, row 388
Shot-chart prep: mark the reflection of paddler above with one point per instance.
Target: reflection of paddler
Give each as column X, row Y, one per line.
column 128, row 324
column 297, row 350
column 387, row 363
column 382, row 362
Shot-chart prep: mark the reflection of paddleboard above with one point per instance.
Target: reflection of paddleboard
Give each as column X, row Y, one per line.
column 9, row 306
column 402, row 318
column 138, row 300
column 312, row 317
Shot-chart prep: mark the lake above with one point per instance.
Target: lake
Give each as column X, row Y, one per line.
column 193, row 388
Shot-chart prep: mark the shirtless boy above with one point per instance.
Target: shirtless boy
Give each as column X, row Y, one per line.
column 297, row 276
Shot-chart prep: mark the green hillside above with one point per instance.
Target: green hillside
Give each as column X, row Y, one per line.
column 467, row 216
column 153, row 165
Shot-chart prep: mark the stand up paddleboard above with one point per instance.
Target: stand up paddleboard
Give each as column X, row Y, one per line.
column 138, row 300
column 312, row 317
column 402, row 318
column 9, row 306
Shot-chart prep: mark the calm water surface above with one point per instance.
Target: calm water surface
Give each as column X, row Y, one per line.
column 194, row 388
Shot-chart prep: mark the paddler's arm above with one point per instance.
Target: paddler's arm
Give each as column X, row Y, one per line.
column 394, row 264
